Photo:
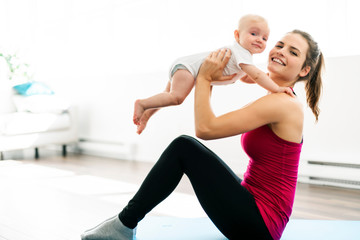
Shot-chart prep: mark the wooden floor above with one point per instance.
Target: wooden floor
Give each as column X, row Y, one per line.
column 58, row 198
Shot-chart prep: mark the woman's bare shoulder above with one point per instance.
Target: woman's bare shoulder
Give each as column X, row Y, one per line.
column 289, row 116
column 283, row 100
column 283, row 104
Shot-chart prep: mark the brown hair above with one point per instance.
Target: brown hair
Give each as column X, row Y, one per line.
column 315, row 60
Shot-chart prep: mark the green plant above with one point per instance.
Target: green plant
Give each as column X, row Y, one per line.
column 16, row 67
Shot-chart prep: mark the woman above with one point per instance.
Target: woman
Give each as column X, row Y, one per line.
column 259, row 206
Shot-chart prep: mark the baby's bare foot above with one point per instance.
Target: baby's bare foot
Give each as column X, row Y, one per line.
column 144, row 119
column 138, row 112
column 142, row 123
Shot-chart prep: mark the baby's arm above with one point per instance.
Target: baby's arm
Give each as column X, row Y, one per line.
column 247, row 79
column 263, row 79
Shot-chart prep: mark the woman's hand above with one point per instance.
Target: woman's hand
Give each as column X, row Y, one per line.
column 213, row 66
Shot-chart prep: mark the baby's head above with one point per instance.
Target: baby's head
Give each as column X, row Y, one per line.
column 252, row 33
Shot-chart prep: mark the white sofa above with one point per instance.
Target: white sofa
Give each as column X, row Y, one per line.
column 21, row 127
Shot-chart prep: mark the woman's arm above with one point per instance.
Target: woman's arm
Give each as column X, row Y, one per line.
column 268, row 109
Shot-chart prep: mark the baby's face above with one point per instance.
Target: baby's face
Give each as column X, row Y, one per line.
column 254, row 36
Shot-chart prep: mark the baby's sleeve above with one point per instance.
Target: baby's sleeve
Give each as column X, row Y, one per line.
column 242, row 56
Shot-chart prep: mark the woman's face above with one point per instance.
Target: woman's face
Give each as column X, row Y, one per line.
column 286, row 59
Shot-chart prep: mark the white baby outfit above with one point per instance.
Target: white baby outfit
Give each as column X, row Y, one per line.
column 193, row 62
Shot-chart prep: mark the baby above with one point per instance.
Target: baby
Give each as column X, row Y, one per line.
column 251, row 37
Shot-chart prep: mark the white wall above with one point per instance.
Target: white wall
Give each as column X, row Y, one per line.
column 102, row 55
column 336, row 135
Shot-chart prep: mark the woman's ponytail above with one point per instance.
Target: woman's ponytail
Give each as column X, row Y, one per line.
column 313, row 86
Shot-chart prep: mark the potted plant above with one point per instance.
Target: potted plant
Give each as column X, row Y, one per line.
column 16, row 69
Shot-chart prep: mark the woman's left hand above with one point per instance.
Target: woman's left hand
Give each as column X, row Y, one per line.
column 213, row 66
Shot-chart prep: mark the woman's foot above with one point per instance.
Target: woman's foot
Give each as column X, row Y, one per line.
column 111, row 229
column 138, row 112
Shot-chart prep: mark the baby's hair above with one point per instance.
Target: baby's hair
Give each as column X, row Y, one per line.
column 250, row 17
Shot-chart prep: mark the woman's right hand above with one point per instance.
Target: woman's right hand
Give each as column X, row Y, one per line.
column 213, row 66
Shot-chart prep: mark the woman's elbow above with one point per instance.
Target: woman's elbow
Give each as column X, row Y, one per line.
column 203, row 133
column 200, row 133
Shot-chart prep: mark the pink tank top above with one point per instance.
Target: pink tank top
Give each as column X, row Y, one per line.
column 271, row 175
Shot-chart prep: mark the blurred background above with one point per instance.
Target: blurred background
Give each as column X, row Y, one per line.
column 103, row 55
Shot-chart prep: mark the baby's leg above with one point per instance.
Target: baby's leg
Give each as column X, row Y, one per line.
column 141, row 113
column 181, row 85
column 175, row 94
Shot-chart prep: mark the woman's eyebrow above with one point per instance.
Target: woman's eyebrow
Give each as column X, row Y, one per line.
column 295, row 49
column 292, row 47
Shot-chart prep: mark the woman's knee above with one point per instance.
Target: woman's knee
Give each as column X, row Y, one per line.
column 179, row 148
column 187, row 145
column 184, row 143
column 184, row 139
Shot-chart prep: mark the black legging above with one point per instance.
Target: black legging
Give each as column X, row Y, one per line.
column 228, row 204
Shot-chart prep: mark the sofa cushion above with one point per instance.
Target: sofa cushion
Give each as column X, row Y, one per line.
column 33, row 88
column 41, row 104
column 24, row 123
column 6, row 91
column 6, row 101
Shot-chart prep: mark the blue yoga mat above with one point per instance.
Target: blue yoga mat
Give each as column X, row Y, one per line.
column 173, row 228
column 298, row 229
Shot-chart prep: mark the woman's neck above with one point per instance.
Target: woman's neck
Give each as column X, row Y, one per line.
column 281, row 81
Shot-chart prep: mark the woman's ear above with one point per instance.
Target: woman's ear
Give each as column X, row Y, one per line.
column 305, row 71
column 236, row 35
